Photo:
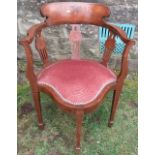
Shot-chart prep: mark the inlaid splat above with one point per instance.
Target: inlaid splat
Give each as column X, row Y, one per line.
column 41, row 47
column 109, row 47
column 75, row 38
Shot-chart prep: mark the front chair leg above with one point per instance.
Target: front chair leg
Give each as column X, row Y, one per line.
column 115, row 102
column 79, row 119
column 36, row 98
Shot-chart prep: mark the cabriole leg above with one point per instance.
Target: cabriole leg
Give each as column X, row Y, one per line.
column 79, row 119
column 36, row 98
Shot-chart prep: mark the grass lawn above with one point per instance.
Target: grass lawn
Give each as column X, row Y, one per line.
column 58, row 137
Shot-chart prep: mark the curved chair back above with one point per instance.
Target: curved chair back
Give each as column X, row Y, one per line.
column 74, row 13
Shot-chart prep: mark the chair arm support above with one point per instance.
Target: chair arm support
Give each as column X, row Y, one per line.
column 25, row 42
column 29, row 68
column 116, row 31
column 124, row 62
column 128, row 44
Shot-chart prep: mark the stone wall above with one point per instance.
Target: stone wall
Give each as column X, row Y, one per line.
column 122, row 11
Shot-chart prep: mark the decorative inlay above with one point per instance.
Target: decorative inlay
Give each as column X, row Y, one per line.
column 75, row 38
column 109, row 47
column 41, row 47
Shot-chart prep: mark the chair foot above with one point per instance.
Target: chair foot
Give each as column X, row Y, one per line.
column 78, row 149
column 41, row 126
column 110, row 124
column 36, row 98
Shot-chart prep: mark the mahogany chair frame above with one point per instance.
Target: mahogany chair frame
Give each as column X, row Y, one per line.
column 75, row 13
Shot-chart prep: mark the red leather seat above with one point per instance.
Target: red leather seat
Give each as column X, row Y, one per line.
column 77, row 82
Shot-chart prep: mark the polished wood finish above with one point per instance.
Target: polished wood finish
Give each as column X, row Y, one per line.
column 75, row 13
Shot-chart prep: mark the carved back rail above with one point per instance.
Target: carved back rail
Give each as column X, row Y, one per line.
column 74, row 13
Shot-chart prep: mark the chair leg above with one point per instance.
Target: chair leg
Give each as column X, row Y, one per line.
column 79, row 119
column 36, row 98
column 115, row 102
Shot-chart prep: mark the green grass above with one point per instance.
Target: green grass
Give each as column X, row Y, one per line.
column 58, row 137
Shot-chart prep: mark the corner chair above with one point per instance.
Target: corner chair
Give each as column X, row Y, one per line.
column 78, row 86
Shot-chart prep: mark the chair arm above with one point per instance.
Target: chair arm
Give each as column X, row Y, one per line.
column 124, row 61
column 110, row 43
column 31, row 33
column 128, row 44
column 25, row 42
column 118, row 31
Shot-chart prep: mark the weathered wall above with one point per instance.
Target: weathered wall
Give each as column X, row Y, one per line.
column 122, row 11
